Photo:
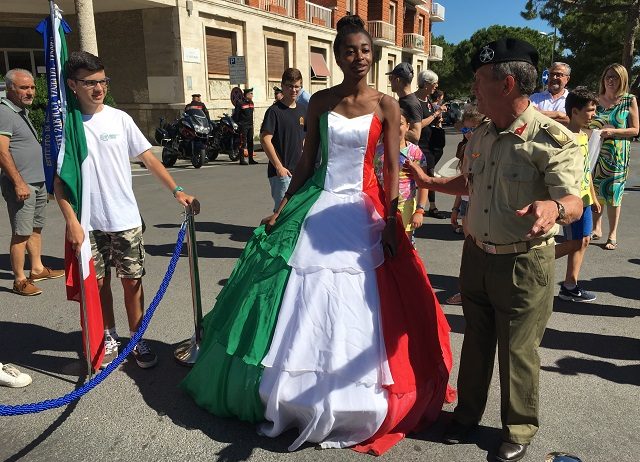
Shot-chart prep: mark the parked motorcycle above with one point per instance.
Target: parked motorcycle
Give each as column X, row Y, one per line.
column 224, row 137
column 186, row 138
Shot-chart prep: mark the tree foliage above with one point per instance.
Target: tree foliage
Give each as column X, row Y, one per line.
column 454, row 71
column 594, row 32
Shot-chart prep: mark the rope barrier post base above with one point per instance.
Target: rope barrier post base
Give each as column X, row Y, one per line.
column 187, row 351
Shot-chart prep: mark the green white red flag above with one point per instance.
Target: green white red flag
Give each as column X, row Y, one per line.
column 72, row 163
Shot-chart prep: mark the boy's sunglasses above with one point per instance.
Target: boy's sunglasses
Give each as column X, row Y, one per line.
column 465, row 130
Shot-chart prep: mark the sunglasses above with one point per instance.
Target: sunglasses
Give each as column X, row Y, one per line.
column 465, row 130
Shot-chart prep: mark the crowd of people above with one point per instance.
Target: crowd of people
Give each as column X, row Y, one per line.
column 328, row 322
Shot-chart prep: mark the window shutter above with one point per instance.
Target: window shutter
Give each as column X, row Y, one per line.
column 277, row 59
column 220, row 45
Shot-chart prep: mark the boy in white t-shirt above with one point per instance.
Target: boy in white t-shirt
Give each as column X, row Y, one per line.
column 115, row 225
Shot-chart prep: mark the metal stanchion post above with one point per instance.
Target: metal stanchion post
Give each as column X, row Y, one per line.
column 187, row 352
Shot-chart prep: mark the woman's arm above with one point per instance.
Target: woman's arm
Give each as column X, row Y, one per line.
column 391, row 167
column 634, row 124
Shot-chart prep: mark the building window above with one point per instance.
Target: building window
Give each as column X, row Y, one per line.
column 351, row 6
column 220, row 45
column 277, row 60
column 393, row 7
column 318, row 64
column 31, row 60
column 373, row 74
column 419, row 66
column 391, row 63
column 421, row 25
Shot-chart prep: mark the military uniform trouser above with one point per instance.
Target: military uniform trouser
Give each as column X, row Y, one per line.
column 507, row 300
column 247, row 138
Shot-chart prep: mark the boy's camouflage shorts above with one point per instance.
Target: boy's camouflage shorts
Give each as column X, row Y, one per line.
column 123, row 249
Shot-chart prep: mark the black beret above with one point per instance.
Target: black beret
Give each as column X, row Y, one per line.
column 277, row 89
column 505, row 50
column 247, row 90
column 195, row 95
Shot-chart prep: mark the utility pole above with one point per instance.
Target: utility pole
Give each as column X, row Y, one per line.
column 86, row 26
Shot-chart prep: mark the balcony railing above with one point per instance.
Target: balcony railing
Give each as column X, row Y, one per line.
column 435, row 53
column 241, row 2
column 413, row 42
column 317, row 14
column 417, row 2
column 437, row 12
column 283, row 7
column 382, row 32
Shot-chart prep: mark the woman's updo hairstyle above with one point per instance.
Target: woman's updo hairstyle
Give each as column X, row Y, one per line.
column 348, row 25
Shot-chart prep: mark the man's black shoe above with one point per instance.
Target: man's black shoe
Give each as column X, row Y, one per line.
column 243, row 160
column 252, row 161
column 456, row 433
column 511, row 452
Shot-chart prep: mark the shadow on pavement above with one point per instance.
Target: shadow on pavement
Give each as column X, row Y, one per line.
column 236, row 233
column 486, row 438
column 7, row 273
column 598, row 345
column 20, row 344
column 206, row 249
column 594, row 309
column 620, row 286
column 635, row 261
column 159, row 389
column 438, row 230
column 629, row 374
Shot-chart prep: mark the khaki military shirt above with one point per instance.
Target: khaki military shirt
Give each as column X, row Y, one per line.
column 534, row 159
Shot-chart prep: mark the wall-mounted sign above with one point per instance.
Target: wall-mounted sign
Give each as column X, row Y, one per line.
column 237, row 70
column 191, row 55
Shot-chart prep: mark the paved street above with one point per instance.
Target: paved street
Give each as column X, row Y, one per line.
column 590, row 354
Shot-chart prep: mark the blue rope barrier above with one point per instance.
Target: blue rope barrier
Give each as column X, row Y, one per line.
column 32, row 408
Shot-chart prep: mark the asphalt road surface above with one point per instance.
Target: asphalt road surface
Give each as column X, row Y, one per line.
column 590, row 354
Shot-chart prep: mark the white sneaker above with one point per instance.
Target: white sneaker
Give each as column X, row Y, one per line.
column 110, row 351
column 12, row 377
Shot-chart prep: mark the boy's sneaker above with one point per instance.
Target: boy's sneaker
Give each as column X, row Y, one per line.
column 144, row 356
column 576, row 295
column 110, row 351
column 12, row 377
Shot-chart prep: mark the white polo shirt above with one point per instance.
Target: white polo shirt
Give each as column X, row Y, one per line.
column 545, row 102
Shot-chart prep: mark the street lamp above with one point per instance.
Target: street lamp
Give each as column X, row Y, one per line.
column 553, row 43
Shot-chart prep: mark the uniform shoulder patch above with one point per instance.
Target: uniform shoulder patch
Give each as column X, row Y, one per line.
column 557, row 134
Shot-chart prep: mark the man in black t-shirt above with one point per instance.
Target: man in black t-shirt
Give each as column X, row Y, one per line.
column 400, row 78
column 282, row 135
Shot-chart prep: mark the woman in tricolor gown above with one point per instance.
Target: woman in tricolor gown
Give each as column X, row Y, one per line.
column 328, row 323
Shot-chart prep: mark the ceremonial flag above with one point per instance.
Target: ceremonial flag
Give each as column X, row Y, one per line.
column 65, row 148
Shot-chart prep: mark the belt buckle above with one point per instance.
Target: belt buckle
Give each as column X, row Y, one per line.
column 489, row 248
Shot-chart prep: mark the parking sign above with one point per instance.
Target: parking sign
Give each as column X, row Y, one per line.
column 545, row 76
column 237, row 70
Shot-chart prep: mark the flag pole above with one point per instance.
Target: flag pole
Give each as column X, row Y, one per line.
column 83, row 304
column 187, row 351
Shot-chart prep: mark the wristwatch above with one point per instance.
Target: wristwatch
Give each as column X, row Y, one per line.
column 562, row 214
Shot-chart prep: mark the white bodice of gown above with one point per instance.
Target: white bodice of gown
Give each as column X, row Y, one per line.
column 342, row 230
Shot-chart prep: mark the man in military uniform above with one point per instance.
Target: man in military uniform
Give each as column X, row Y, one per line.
column 522, row 177
column 243, row 115
column 196, row 103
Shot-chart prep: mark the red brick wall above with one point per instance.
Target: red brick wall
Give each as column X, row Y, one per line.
column 299, row 10
column 253, row 3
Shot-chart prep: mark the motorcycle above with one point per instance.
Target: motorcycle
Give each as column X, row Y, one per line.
column 224, row 137
column 186, row 138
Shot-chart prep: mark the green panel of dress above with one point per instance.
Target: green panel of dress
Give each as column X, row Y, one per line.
column 238, row 330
